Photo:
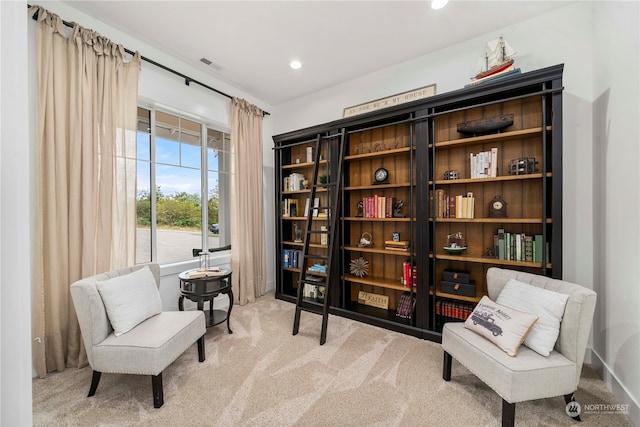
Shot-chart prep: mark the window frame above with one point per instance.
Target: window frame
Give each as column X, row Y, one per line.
column 205, row 125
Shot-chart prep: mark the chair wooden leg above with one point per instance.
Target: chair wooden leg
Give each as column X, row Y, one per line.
column 446, row 367
column 158, row 397
column 94, row 383
column 568, row 398
column 201, row 354
column 508, row 413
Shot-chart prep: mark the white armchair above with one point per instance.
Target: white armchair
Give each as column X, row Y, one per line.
column 528, row 375
column 149, row 345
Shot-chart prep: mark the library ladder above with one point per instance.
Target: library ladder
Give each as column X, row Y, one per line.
column 318, row 274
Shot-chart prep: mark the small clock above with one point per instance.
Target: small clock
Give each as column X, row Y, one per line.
column 498, row 208
column 381, row 176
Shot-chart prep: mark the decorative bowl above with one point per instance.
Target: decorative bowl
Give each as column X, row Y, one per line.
column 456, row 250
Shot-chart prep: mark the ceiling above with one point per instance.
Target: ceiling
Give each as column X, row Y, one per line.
column 251, row 43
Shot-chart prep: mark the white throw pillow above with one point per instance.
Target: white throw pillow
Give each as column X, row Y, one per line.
column 503, row 326
column 130, row 299
column 547, row 305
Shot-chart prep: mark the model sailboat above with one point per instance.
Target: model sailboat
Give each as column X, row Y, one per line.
column 497, row 61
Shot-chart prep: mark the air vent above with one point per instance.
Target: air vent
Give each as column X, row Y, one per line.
column 211, row 64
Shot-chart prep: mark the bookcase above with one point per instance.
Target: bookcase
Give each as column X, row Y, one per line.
column 393, row 229
column 293, row 187
column 517, row 169
column 378, row 220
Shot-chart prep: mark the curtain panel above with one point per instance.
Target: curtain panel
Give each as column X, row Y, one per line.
column 248, row 256
column 85, row 136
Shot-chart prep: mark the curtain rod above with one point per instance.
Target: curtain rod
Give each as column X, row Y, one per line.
column 187, row 79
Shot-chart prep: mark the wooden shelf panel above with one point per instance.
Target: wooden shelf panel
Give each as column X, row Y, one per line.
column 380, row 282
column 384, row 153
column 482, row 260
column 358, row 218
column 307, row 191
column 304, row 218
column 378, row 186
column 485, row 180
column 300, row 244
column 503, row 136
column 297, row 270
column 378, row 251
column 303, row 165
column 495, row 220
column 474, row 300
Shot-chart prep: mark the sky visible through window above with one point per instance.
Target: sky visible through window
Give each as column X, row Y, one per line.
column 177, row 166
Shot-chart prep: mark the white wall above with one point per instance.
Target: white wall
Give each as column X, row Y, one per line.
column 616, row 202
column 15, row 229
column 575, row 35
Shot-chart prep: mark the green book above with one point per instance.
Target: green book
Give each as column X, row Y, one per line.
column 537, row 248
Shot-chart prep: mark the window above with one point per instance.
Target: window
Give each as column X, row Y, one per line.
column 180, row 164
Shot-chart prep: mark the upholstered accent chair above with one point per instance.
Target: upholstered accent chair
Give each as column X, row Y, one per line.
column 124, row 329
column 528, row 375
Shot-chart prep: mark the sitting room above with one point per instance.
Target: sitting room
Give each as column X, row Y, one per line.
column 361, row 213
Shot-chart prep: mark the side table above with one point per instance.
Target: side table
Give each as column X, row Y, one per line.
column 197, row 287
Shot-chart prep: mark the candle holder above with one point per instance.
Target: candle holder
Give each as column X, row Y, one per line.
column 204, row 261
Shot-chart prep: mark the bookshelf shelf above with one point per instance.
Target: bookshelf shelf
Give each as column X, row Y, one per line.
column 503, row 136
column 379, row 282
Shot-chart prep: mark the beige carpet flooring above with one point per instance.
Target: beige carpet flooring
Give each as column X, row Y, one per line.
column 261, row 375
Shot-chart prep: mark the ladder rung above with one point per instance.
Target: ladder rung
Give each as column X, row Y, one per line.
column 311, row 306
column 314, row 282
column 316, row 256
column 319, row 231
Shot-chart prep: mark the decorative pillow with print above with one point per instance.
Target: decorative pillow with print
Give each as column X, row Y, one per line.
column 505, row 327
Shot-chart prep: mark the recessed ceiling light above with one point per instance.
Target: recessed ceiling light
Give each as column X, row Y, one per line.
column 295, row 64
column 439, row 4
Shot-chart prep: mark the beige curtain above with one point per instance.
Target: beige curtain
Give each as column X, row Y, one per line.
column 85, row 140
column 247, row 208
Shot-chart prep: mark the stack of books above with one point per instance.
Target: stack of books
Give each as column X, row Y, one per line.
column 402, row 245
column 317, row 268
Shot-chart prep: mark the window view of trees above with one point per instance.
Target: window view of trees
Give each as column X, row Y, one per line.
column 170, row 164
column 181, row 210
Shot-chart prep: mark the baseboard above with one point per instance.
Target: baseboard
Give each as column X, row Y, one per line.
column 614, row 385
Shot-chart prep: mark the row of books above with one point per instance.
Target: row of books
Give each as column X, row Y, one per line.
column 409, row 274
column 291, row 258
column 377, row 207
column 455, row 310
column 406, row 305
column 289, row 208
column 454, row 206
column 293, row 182
column 518, row 246
column 484, row 164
